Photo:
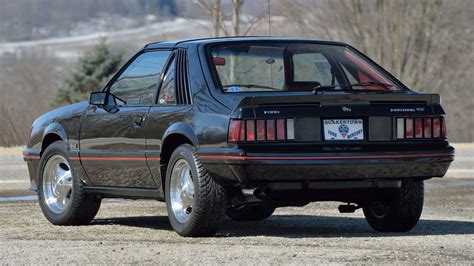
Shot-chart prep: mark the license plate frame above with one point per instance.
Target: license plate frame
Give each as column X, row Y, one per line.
column 343, row 129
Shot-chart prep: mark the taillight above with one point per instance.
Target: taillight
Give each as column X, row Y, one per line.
column 250, row 130
column 236, row 131
column 400, row 128
column 409, row 128
column 260, row 129
column 436, row 128
column 418, row 128
column 444, row 131
column 270, row 129
column 427, row 128
column 281, row 130
column 421, row 127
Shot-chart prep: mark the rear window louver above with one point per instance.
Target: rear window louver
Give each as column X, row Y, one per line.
column 183, row 93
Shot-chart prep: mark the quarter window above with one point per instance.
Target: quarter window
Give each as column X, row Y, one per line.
column 138, row 83
column 168, row 89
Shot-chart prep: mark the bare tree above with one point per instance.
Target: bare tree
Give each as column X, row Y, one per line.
column 27, row 85
column 410, row 38
column 236, row 5
column 428, row 44
column 215, row 11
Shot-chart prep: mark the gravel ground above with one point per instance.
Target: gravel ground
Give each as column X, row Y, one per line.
column 127, row 231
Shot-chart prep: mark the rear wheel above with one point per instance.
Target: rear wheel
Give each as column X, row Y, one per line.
column 60, row 193
column 251, row 213
column 400, row 213
column 195, row 202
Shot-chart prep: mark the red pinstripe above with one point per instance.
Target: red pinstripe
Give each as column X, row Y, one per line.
column 86, row 158
column 323, row 157
column 31, row 156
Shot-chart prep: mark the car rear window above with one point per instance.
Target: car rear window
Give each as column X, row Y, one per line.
column 260, row 67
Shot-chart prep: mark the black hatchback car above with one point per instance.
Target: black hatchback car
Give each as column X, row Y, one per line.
column 242, row 126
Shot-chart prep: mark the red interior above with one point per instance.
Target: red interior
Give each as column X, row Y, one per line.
column 368, row 74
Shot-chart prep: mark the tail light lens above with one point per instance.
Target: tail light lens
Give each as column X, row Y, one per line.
column 281, row 130
column 427, row 127
column 236, row 131
column 250, row 130
column 444, row 131
column 261, row 130
column 408, row 128
column 421, row 127
column 418, row 128
column 270, row 129
column 436, row 127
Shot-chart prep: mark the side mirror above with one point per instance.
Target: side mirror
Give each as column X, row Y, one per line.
column 98, row 98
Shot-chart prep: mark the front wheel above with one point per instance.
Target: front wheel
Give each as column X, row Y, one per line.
column 60, row 193
column 400, row 213
column 195, row 202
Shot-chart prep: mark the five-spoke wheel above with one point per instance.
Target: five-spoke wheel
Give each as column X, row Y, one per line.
column 181, row 191
column 60, row 191
column 195, row 202
column 57, row 183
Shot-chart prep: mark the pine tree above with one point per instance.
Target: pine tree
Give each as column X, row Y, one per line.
column 93, row 70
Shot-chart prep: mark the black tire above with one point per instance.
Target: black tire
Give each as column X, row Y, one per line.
column 209, row 197
column 251, row 213
column 399, row 214
column 82, row 207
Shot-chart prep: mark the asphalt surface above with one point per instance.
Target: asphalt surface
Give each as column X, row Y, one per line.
column 127, row 231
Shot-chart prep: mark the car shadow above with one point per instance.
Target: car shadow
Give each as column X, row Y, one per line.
column 303, row 226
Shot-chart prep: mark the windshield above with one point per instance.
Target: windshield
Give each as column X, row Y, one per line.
column 262, row 67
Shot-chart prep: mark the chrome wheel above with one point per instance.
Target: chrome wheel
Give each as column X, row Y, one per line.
column 181, row 191
column 57, row 184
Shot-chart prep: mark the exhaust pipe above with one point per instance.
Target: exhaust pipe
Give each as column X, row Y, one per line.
column 249, row 191
column 257, row 192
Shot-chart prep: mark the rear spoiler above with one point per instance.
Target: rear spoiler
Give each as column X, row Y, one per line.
column 283, row 99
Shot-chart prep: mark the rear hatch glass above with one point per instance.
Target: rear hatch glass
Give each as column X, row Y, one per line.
column 274, row 67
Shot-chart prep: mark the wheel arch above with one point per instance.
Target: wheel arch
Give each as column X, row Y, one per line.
column 52, row 133
column 177, row 134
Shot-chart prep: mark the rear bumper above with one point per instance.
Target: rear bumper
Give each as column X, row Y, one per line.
column 236, row 166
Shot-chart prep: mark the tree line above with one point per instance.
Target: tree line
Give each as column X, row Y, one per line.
column 427, row 44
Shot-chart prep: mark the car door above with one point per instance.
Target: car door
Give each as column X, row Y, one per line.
column 173, row 103
column 112, row 139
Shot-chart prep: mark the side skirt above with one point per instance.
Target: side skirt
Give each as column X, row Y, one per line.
column 125, row 193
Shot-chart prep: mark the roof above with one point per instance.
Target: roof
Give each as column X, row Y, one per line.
column 168, row 44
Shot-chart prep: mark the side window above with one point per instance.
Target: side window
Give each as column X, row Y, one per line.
column 312, row 67
column 168, row 88
column 138, row 83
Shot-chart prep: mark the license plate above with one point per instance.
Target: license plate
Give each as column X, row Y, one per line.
column 343, row 129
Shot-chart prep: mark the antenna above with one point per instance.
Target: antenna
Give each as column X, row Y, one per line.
column 269, row 19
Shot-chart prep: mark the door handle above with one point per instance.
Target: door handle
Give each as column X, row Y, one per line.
column 137, row 121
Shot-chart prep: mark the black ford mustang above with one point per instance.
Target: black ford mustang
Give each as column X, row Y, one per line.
column 242, row 126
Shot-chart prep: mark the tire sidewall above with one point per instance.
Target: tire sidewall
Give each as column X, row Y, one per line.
column 182, row 152
column 56, row 148
column 404, row 209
